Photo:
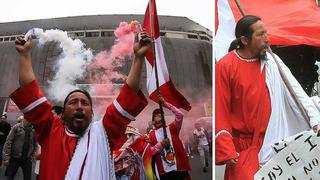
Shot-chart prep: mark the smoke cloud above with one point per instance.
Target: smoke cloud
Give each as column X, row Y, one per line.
column 75, row 60
column 106, row 62
column 105, row 65
column 71, row 64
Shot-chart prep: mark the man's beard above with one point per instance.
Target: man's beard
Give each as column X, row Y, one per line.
column 263, row 57
column 80, row 131
column 77, row 129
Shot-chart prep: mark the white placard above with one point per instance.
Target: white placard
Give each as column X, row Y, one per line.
column 296, row 158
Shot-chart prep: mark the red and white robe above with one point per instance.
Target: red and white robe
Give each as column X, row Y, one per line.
column 57, row 143
column 252, row 95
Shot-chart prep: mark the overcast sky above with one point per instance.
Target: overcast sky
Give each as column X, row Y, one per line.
column 200, row 11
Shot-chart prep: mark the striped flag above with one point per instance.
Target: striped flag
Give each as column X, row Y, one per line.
column 167, row 89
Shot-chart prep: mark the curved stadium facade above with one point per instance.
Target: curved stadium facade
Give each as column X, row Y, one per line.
column 187, row 47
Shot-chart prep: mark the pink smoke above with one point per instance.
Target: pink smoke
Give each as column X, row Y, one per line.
column 124, row 40
column 102, row 96
column 201, row 112
column 122, row 48
column 103, row 69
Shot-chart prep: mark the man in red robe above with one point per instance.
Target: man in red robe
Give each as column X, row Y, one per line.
column 74, row 147
column 251, row 99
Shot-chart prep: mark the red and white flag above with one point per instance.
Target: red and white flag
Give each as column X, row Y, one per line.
column 167, row 89
column 291, row 22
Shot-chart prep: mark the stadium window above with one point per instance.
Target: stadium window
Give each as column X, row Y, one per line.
column 12, row 38
column 79, row 34
column 92, row 34
column 6, row 39
column 162, row 34
column 204, row 38
column 176, row 35
column 1, row 39
column 107, row 33
column 192, row 36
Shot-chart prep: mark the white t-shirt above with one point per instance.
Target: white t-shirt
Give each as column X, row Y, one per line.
column 201, row 136
column 37, row 167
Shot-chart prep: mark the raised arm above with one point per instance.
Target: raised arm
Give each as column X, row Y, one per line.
column 177, row 113
column 140, row 47
column 29, row 97
column 131, row 101
column 26, row 74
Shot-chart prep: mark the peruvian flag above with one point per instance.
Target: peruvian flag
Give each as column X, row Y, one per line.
column 288, row 22
column 167, row 89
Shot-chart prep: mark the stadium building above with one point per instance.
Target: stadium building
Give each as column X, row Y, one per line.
column 187, row 49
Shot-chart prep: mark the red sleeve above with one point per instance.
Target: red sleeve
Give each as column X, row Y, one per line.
column 224, row 146
column 35, row 107
column 123, row 110
column 139, row 145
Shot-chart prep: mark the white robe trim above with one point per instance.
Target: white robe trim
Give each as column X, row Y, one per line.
column 122, row 111
column 221, row 132
column 286, row 118
column 34, row 104
column 98, row 164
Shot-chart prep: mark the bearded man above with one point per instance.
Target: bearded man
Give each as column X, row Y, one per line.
column 254, row 108
column 74, row 147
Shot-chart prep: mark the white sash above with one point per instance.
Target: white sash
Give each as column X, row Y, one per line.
column 286, row 118
column 99, row 163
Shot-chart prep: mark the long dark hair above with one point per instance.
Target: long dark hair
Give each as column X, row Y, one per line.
column 243, row 28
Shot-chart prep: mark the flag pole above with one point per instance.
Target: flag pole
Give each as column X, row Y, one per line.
column 151, row 14
column 283, row 76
